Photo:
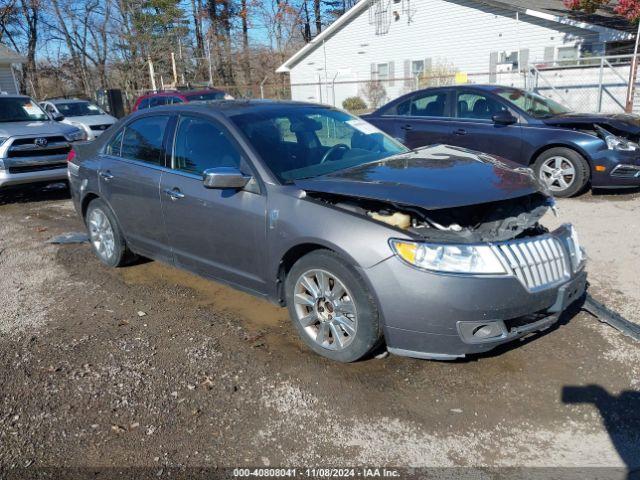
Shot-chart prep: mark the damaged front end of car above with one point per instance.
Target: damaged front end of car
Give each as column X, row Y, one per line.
column 465, row 275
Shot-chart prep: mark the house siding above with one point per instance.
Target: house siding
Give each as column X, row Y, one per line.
column 463, row 35
column 7, row 83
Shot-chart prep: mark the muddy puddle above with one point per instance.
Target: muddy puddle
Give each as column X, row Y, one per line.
column 260, row 315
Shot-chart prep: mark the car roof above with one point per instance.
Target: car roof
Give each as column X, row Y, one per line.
column 181, row 92
column 231, row 108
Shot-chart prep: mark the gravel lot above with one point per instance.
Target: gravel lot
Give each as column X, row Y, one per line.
column 149, row 366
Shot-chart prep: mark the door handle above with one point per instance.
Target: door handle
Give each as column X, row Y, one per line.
column 174, row 194
column 407, row 127
column 106, row 176
column 460, row 131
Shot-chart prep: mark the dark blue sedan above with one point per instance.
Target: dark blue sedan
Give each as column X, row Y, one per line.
column 568, row 151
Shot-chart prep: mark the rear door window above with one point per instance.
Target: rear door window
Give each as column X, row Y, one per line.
column 143, row 140
column 426, row 104
column 158, row 101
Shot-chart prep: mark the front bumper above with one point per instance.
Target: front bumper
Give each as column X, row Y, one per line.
column 52, row 175
column 443, row 316
column 621, row 169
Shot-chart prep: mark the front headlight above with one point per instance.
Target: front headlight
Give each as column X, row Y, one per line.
column 474, row 259
column 617, row 143
column 2, row 140
column 78, row 135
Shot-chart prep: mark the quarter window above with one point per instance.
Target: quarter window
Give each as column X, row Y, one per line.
column 200, row 144
column 115, row 144
column 143, row 140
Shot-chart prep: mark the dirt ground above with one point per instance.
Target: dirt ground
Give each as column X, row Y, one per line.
column 149, row 366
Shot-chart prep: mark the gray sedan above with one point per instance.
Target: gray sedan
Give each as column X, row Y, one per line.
column 436, row 252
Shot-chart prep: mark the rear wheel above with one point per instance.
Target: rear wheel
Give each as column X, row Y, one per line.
column 104, row 234
column 331, row 307
column 564, row 171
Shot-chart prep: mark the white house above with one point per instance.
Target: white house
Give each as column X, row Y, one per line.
column 8, row 58
column 395, row 41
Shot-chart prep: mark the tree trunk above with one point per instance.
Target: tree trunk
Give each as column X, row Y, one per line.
column 316, row 13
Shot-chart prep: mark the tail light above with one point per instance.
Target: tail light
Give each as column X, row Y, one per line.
column 71, row 155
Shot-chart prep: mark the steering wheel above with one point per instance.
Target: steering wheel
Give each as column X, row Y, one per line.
column 332, row 150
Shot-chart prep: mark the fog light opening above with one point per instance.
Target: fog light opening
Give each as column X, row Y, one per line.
column 483, row 331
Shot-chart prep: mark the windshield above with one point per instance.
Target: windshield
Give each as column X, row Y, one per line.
column 535, row 105
column 78, row 109
column 20, row 110
column 304, row 142
column 203, row 97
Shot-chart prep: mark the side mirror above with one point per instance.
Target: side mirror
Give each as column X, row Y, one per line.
column 504, row 117
column 57, row 117
column 224, row 177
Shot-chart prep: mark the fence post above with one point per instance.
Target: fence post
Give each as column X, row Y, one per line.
column 262, row 87
column 600, row 79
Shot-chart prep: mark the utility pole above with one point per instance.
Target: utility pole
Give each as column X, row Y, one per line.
column 175, row 71
column 152, row 75
column 632, row 75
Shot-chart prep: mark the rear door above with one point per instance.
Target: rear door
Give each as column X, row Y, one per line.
column 130, row 172
column 421, row 119
column 474, row 128
column 219, row 233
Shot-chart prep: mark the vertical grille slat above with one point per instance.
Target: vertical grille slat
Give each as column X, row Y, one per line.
column 538, row 262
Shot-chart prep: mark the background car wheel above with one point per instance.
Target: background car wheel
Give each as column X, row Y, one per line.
column 331, row 307
column 105, row 236
column 564, row 171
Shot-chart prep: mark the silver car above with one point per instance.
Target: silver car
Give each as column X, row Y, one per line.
column 437, row 252
column 33, row 148
column 83, row 114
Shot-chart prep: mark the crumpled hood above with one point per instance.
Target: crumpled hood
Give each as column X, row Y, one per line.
column 619, row 121
column 23, row 129
column 439, row 176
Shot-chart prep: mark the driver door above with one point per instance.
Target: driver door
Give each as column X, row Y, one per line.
column 220, row 233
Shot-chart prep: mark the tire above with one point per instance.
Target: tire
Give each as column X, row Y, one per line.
column 104, row 229
column 349, row 321
column 547, row 166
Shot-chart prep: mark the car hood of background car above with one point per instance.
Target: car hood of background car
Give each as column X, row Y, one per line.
column 618, row 121
column 433, row 177
column 93, row 119
column 40, row 128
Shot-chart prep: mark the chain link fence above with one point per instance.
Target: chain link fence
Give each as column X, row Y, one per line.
column 593, row 84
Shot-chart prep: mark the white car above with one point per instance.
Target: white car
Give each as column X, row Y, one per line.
column 80, row 113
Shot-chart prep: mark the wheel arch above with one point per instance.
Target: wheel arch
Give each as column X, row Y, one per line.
column 296, row 252
column 549, row 146
column 86, row 200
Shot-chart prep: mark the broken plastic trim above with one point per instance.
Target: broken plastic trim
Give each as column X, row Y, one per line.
column 611, row 318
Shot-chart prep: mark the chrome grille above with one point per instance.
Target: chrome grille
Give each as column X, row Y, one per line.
column 28, row 147
column 538, row 262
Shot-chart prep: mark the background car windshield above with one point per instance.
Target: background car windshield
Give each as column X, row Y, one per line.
column 20, row 110
column 203, row 97
column 535, row 105
column 78, row 109
column 300, row 143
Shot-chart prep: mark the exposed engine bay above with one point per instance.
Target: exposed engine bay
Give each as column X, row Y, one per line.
column 487, row 222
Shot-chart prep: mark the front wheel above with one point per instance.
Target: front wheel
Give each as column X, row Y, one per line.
column 331, row 308
column 564, row 171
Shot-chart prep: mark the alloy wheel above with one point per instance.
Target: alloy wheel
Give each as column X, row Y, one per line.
column 325, row 309
column 101, row 233
column 558, row 173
